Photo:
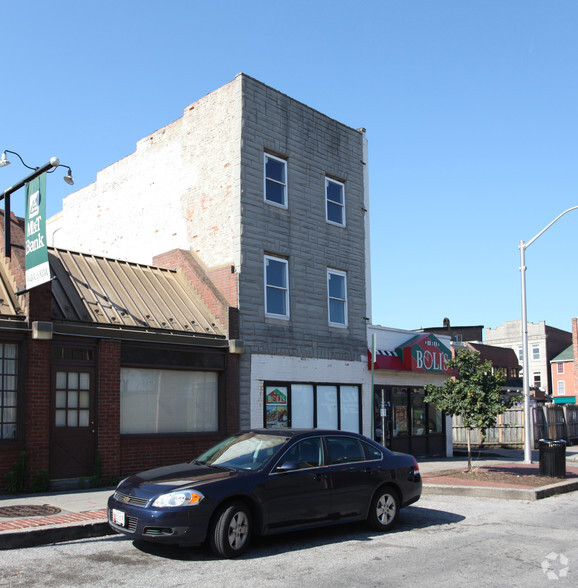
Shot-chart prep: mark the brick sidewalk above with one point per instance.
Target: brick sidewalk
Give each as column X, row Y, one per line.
column 15, row 524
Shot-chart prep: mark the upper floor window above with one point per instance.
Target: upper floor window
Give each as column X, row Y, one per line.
column 335, row 199
column 535, row 351
column 561, row 388
column 275, row 180
column 559, row 368
column 520, row 353
column 537, row 380
column 337, row 297
column 276, row 286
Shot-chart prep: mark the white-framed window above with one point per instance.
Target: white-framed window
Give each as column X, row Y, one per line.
column 561, row 388
column 535, row 351
column 275, row 180
column 560, row 367
column 337, row 297
column 537, row 379
column 521, row 353
column 335, row 202
column 157, row 401
column 321, row 406
column 276, row 287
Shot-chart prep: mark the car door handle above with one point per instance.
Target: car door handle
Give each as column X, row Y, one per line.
column 320, row 477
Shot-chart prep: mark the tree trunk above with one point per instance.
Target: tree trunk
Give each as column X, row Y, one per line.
column 469, row 450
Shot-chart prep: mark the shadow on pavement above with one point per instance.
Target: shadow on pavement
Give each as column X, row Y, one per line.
column 413, row 517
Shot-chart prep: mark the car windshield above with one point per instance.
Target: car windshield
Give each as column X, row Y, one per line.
column 248, row 451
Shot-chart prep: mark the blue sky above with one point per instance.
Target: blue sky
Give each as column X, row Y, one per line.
column 470, row 109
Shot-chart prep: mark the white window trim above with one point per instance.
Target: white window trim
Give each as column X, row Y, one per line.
column 287, row 299
column 332, row 181
column 560, row 367
column 561, row 388
column 285, row 185
column 335, row 272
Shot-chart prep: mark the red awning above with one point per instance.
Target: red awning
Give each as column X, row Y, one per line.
column 386, row 360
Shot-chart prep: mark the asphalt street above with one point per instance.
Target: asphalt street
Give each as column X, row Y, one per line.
column 441, row 541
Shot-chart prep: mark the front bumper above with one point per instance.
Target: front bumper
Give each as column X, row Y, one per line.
column 183, row 526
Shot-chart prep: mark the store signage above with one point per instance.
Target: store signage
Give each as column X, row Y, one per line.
column 425, row 353
column 422, row 353
column 36, row 251
column 276, row 413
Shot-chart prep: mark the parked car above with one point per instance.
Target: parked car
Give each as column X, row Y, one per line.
column 266, row 481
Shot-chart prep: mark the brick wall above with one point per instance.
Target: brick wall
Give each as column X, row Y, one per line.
column 217, row 288
column 108, row 443
column 37, row 405
column 180, row 188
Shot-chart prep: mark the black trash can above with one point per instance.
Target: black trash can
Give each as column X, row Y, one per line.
column 552, row 458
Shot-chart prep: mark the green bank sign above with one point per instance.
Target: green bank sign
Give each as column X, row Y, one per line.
column 36, row 252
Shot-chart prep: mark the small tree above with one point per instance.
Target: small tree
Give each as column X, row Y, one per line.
column 474, row 394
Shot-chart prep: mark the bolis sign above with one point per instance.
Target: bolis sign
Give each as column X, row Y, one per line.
column 425, row 353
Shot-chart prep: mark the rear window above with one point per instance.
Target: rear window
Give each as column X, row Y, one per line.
column 344, row 450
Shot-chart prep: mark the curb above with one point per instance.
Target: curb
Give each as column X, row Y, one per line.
column 501, row 493
column 36, row 537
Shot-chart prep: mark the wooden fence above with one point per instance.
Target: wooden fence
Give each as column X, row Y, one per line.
column 550, row 421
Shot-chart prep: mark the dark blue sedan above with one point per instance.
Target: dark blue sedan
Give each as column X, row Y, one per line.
column 266, row 481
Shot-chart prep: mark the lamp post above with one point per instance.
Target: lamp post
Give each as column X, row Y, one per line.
column 528, row 430
column 37, row 171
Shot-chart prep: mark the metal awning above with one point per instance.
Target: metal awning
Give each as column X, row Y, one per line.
column 89, row 289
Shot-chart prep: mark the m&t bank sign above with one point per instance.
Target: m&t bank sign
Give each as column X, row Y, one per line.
column 36, row 251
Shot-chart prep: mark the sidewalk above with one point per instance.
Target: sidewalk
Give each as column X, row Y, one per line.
column 40, row 519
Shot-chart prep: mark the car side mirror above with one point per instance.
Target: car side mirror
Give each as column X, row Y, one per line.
column 287, row 466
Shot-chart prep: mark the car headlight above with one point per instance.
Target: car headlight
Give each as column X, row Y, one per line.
column 179, row 498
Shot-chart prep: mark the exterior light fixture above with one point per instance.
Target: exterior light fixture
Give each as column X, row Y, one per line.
column 36, row 172
column 42, row 330
column 236, row 346
column 68, row 177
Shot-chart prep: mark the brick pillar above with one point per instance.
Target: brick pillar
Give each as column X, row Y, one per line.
column 37, row 394
column 109, row 409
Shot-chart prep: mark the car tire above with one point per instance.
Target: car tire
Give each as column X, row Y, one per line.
column 230, row 531
column 384, row 510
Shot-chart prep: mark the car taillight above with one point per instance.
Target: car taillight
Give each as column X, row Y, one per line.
column 415, row 467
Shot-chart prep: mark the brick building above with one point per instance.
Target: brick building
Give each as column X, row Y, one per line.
column 544, row 343
column 269, row 198
column 102, row 364
column 565, row 371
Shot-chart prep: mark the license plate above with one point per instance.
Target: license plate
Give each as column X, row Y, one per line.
column 118, row 517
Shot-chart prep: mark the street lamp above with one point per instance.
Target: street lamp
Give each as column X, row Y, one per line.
column 526, row 385
column 37, row 171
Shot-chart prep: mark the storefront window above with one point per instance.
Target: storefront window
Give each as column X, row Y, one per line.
column 435, row 419
column 302, row 407
column 168, row 401
column 313, row 406
column 399, row 412
column 276, row 415
column 349, row 405
column 8, row 390
column 417, row 414
column 327, row 407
